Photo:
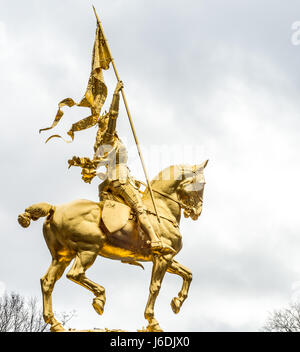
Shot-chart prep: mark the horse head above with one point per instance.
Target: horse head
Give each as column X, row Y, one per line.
column 183, row 184
column 190, row 190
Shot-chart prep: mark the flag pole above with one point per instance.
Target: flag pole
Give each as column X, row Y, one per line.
column 129, row 117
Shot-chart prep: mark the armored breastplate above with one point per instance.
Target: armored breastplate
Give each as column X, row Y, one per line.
column 115, row 159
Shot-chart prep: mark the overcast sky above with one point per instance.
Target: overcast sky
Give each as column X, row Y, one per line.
column 204, row 80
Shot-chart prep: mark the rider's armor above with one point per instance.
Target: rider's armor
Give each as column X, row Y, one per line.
column 109, row 149
column 112, row 153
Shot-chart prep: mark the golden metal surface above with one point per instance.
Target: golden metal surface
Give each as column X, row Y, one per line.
column 96, row 91
column 112, row 222
column 72, row 231
column 126, row 224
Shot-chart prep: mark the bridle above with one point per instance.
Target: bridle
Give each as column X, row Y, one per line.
column 188, row 208
column 181, row 204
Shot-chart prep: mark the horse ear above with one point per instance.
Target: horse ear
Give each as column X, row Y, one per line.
column 203, row 165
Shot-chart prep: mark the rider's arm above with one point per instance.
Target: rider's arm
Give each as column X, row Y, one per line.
column 113, row 114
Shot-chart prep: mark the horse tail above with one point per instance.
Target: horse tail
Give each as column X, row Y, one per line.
column 34, row 212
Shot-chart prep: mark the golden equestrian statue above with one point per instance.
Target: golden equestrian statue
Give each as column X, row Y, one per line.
column 126, row 224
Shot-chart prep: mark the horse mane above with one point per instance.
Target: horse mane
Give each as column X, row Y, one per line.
column 169, row 175
column 173, row 172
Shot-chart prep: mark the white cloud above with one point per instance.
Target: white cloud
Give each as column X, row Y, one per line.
column 2, row 288
column 226, row 92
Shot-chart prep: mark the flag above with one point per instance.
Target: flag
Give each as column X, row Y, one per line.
column 96, row 91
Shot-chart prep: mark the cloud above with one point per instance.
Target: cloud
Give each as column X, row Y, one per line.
column 205, row 81
column 2, row 288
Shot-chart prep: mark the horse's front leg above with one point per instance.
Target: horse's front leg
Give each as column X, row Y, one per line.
column 185, row 273
column 160, row 266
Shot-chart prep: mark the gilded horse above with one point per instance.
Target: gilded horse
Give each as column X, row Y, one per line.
column 75, row 231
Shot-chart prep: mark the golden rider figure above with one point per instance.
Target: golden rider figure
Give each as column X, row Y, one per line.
column 112, row 153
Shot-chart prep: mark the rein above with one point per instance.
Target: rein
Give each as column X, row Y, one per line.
column 182, row 205
column 166, row 196
column 174, row 222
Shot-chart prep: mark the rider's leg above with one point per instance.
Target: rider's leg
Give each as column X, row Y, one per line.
column 133, row 199
column 155, row 243
column 147, row 228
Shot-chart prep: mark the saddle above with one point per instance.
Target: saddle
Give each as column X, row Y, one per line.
column 115, row 211
column 115, row 215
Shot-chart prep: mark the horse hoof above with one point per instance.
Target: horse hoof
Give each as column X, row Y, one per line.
column 175, row 305
column 154, row 328
column 98, row 305
column 57, row 327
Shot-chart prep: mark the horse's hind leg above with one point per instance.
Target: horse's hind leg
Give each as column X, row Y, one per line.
column 54, row 272
column 83, row 261
column 185, row 273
